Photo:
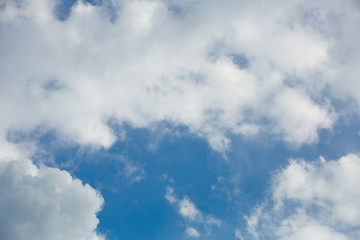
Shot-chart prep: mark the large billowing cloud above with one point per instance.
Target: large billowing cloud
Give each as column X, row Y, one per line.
column 45, row 203
column 319, row 200
column 219, row 69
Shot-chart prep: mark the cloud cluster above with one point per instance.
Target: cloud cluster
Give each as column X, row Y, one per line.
column 45, row 203
column 311, row 200
column 217, row 68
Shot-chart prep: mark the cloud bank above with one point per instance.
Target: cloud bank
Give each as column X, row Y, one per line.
column 235, row 68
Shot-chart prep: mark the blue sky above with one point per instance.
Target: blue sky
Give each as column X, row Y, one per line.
column 145, row 214
column 167, row 119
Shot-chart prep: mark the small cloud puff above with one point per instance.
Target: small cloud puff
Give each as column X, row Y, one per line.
column 192, row 232
column 190, row 213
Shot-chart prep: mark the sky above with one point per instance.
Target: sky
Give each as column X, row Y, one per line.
column 179, row 119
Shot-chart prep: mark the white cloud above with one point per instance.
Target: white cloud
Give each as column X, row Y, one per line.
column 169, row 196
column 192, row 232
column 45, row 203
column 191, row 214
column 300, row 226
column 188, row 210
column 298, row 118
column 318, row 199
column 148, row 65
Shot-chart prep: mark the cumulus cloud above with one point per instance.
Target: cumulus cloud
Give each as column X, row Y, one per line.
column 217, row 68
column 298, row 117
column 311, row 200
column 45, row 203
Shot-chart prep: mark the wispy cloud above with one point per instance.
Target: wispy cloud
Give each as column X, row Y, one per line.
column 189, row 212
column 131, row 172
column 192, row 232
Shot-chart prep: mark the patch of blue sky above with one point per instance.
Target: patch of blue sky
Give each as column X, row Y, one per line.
column 227, row 190
column 177, row 11
column 63, row 8
column 240, row 60
column 52, row 85
column 139, row 210
column 220, row 49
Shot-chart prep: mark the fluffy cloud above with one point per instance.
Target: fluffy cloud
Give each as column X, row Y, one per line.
column 298, row 117
column 311, row 200
column 216, row 68
column 45, row 203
